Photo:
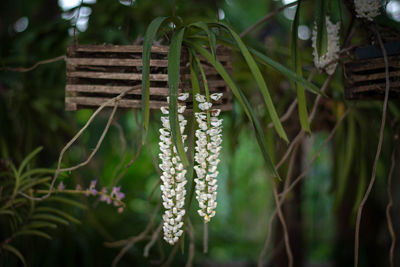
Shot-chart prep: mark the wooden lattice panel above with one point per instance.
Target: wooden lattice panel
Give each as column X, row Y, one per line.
column 365, row 78
column 96, row 73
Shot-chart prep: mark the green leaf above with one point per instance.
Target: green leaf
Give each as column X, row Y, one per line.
column 58, row 212
column 16, row 252
column 33, row 232
column 66, row 201
column 36, row 172
column 149, row 37
column 28, row 159
column 265, row 60
column 296, row 61
column 49, row 217
column 174, row 60
column 244, row 103
column 33, row 182
column 7, row 212
column 259, row 79
column 211, row 36
column 322, row 35
column 40, row 224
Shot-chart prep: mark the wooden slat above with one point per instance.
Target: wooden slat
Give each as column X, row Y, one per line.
column 371, row 77
column 116, row 76
column 115, row 62
column 373, row 63
column 74, row 102
column 113, row 89
column 123, row 103
column 120, row 48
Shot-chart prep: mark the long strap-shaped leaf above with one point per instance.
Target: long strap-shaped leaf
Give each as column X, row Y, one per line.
column 211, row 36
column 259, row 79
column 301, row 96
column 265, row 60
column 244, row 103
column 149, row 37
column 174, row 64
column 322, row 35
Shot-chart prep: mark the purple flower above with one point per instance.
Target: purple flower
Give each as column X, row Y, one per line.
column 61, row 186
column 120, row 209
column 116, row 193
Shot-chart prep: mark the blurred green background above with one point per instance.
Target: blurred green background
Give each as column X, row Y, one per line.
column 320, row 211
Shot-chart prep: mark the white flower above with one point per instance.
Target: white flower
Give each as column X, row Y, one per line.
column 183, row 96
column 207, row 152
column 328, row 61
column 367, row 9
column 216, row 96
column 200, row 98
column 173, row 177
column 205, row 106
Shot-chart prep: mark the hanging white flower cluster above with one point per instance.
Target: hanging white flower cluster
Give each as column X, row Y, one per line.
column 173, row 176
column 208, row 147
column 328, row 61
column 367, row 9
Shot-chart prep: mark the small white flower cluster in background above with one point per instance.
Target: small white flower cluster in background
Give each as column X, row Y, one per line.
column 208, row 147
column 173, row 176
column 367, row 9
column 328, row 61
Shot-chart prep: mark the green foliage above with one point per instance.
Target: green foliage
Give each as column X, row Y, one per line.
column 20, row 214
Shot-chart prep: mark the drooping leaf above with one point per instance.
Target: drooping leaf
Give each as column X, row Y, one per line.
column 211, row 36
column 67, row 201
column 16, row 252
column 49, row 217
column 58, row 212
column 244, row 103
column 149, row 37
column 33, row 232
column 259, row 79
column 28, row 159
column 296, row 61
column 33, row 182
column 39, row 224
column 265, row 60
column 174, row 60
column 322, row 35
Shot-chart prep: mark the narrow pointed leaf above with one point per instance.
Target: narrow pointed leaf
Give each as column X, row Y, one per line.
column 320, row 17
column 58, row 212
column 50, row 217
column 244, row 103
column 267, row 61
column 296, row 61
column 33, row 232
column 174, row 64
column 28, row 159
column 211, row 36
column 147, row 43
column 67, row 201
column 260, row 81
column 39, row 224
column 16, row 252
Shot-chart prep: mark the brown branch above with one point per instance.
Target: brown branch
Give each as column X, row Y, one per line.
column 72, row 141
column 205, row 238
column 390, row 204
column 378, row 149
column 153, row 240
column 283, row 222
column 289, row 188
column 293, row 105
column 264, row 19
column 37, row 64
column 192, row 247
